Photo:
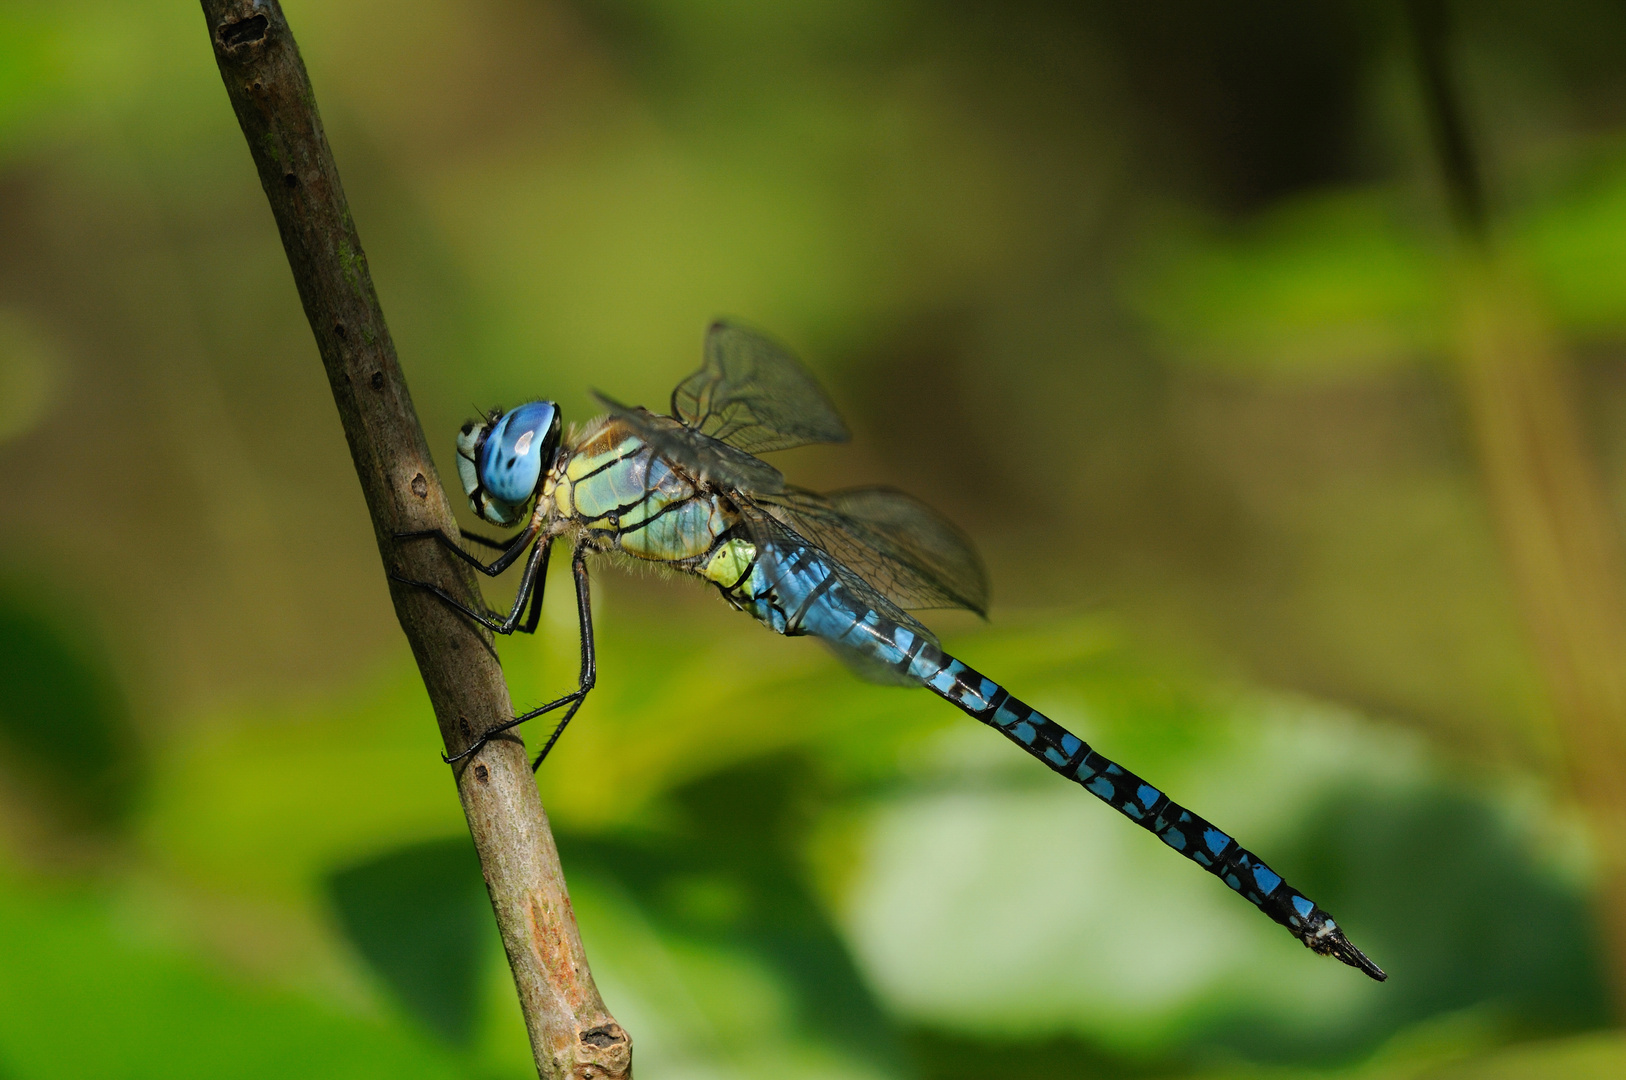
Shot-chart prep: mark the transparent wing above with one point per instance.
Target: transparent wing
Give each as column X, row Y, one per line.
column 707, row 458
column 900, row 546
column 776, row 541
column 752, row 393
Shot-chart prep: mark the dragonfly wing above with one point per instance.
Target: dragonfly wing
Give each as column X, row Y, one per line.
column 708, row 459
column 776, row 542
column 752, row 393
column 899, row 545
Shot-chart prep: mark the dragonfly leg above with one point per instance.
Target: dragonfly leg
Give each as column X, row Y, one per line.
column 589, row 672
column 531, row 584
column 511, row 549
column 585, row 681
column 483, row 541
column 536, row 599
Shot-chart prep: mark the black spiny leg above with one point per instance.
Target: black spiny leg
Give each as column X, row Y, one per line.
column 536, row 596
column 589, row 672
column 511, row 549
column 483, row 541
column 584, row 681
column 535, row 577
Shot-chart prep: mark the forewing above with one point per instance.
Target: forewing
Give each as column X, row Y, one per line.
column 903, row 548
column 775, row 541
column 752, row 393
column 707, row 458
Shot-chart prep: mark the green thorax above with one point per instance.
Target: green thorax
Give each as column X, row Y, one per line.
column 632, row 499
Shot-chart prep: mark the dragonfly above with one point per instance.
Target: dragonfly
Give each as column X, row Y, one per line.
column 688, row 490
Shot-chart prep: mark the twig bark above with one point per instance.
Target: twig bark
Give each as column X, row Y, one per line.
column 572, row 1035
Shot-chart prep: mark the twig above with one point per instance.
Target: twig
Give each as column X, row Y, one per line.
column 571, row 1033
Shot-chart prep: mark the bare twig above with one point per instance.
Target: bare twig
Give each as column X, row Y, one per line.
column 571, row 1033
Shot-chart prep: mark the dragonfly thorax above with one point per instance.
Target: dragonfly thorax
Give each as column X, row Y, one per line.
column 501, row 459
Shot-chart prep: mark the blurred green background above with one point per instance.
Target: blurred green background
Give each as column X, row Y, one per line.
column 1170, row 306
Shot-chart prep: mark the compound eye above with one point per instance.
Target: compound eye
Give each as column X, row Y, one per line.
column 514, row 454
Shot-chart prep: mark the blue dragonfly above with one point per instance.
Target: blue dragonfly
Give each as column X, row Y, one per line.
column 688, row 490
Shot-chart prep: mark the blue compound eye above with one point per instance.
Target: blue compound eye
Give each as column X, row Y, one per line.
column 519, row 446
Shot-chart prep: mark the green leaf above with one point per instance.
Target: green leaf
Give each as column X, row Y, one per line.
column 81, row 995
column 421, row 917
column 66, row 736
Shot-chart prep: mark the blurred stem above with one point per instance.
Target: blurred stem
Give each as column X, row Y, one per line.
column 1558, row 534
column 571, row 1033
column 1459, row 168
column 1562, row 550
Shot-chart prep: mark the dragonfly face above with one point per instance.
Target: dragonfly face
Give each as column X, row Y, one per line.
column 501, row 459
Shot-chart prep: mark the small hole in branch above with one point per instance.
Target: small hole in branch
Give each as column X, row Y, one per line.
column 249, row 31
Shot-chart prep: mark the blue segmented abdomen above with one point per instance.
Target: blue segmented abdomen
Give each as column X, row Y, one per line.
column 798, row 592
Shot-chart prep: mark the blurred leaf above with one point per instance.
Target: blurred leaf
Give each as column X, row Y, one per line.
column 1459, row 912
column 942, row 1054
column 267, row 801
column 1574, row 241
column 80, row 996
column 421, row 917
column 29, row 68
column 724, row 874
column 700, row 1006
column 1595, row 1057
column 66, row 734
column 1345, row 283
column 1327, row 286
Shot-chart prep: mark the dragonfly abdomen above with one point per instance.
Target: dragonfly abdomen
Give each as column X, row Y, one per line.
column 1185, row 832
column 798, row 591
column 795, row 591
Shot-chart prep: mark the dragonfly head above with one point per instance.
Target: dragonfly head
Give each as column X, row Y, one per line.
column 501, row 459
